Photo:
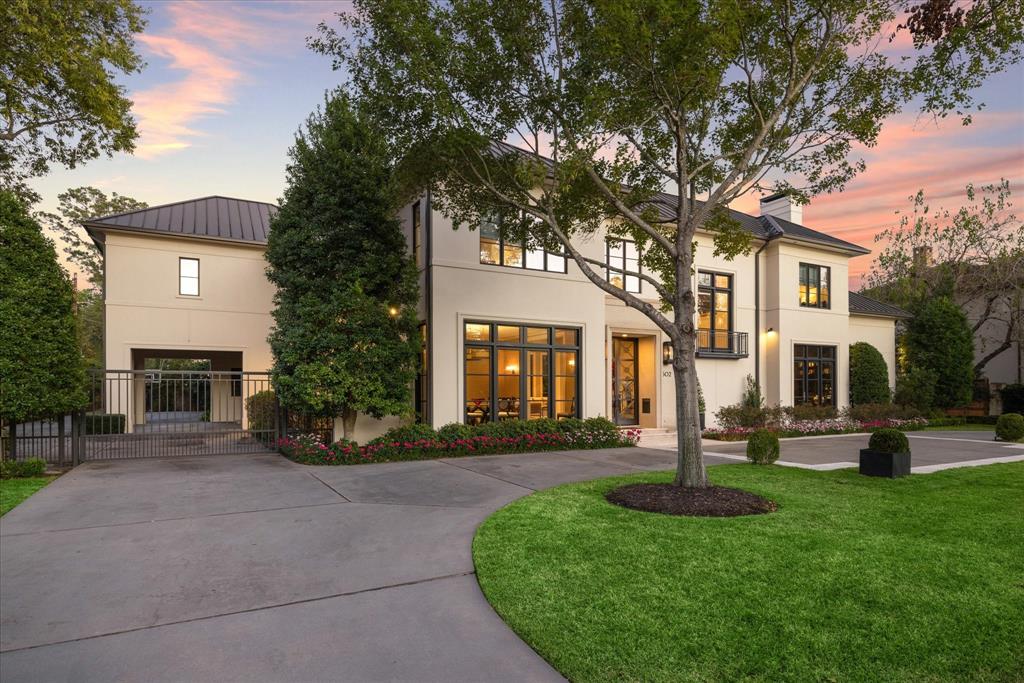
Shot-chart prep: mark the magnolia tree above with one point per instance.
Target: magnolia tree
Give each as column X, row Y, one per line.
column 608, row 102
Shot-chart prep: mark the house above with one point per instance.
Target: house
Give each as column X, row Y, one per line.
column 510, row 333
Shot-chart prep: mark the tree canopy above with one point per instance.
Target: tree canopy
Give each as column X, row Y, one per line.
column 608, row 102
column 41, row 369
column 59, row 102
column 345, row 324
column 939, row 339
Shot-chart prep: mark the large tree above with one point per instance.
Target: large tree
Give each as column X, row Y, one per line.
column 974, row 255
column 41, row 369
column 611, row 101
column 345, row 325
column 939, row 340
column 59, row 102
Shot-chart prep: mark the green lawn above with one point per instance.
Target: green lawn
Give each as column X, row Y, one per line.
column 853, row 579
column 14, row 491
column 963, row 428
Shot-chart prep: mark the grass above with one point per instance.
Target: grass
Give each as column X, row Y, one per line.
column 15, row 491
column 853, row 579
column 962, row 428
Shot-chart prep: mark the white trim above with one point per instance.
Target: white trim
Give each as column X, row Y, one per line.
column 928, row 469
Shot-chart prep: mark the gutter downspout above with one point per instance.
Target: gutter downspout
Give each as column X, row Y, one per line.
column 428, row 282
column 757, row 305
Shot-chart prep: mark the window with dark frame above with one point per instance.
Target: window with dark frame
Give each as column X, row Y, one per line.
column 815, row 286
column 496, row 251
column 188, row 276
column 516, row 371
column 417, row 235
column 814, row 375
column 622, row 258
column 714, row 310
column 422, row 386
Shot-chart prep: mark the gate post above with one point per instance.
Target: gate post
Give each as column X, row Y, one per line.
column 76, row 438
column 60, row 441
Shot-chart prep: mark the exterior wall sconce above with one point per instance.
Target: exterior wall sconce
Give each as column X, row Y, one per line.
column 666, row 353
column 771, row 330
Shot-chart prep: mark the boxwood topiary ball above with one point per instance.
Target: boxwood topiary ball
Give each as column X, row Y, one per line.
column 1010, row 427
column 762, row 447
column 889, row 441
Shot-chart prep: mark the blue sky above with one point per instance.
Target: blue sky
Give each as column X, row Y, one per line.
column 228, row 84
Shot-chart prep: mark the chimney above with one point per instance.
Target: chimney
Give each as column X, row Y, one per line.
column 923, row 257
column 782, row 206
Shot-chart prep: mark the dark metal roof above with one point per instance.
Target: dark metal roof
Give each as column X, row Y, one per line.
column 862, row 305
column 217, row 218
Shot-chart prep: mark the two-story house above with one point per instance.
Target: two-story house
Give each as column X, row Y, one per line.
column 509, row 333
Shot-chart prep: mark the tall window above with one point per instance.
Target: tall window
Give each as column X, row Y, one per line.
column 495, row 250
column 814, row 374
column 417, row 235
column 714, row 309
column 422, row 386
column 188, row 276
column 623, row 257
column 520, row 372
column 814, row 286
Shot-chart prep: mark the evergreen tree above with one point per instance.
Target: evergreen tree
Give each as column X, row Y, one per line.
column 41, row 368
column 345, row 324
column 869, row 375
column 939, row 339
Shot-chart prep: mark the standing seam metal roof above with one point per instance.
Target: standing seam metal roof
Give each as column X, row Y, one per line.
column 215, row 217
column 863, row 305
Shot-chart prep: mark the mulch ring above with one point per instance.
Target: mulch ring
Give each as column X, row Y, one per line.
column 669, row 499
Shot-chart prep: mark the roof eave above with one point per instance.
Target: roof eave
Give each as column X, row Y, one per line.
column 886, row 316
column 92, row 225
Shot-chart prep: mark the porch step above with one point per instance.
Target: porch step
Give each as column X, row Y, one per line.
column 657, row 438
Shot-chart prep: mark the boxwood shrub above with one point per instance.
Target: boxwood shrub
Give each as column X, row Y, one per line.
column 763, row 447
column 104, row 423
column 889, row 441
column 1010, row 427
column 18, row 469
column 421, row 442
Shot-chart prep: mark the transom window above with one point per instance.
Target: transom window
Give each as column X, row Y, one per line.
column 623, row 257
column 188, row 276
column 714, row 310
column 520, row 372
column 495, row 250
column 814, row 374
column 814, row 286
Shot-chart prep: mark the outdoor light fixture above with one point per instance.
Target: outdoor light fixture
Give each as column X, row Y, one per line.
column 771, row 330
column 393, row 311
column 666, row 353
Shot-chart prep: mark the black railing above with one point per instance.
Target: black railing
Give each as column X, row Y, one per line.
column 723, row 343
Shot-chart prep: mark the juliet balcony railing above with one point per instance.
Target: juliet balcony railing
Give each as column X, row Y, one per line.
column 722, row 344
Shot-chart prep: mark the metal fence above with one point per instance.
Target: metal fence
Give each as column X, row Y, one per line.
column 154, row 413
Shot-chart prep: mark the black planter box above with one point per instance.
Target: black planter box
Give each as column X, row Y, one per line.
column 879, row 464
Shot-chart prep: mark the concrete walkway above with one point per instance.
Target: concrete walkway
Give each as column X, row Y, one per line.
column 252, row 568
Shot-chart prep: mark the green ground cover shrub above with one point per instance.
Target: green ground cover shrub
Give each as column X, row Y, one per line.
column 1010, row 427
column 762, row 447
column 18, row 469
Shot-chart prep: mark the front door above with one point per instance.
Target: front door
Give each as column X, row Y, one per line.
column 625, row 390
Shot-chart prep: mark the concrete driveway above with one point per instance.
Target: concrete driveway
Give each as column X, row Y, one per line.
column 253, row 568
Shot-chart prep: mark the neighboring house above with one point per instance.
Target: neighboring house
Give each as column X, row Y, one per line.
column 510, row 333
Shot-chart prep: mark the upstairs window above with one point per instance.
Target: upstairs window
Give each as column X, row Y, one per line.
column 714, row 310
column 495, row 250
column 815, row 290
column 417, row 235
column 188, row 276
column 623, row 258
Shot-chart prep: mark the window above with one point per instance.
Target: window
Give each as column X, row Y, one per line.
column 714, row 310
column 188, row 276
column 417, row 235
column 814, row 374
column 515, row 372
column 422, row 386
column 496, row 251
column 814, row 286
column 623, row 258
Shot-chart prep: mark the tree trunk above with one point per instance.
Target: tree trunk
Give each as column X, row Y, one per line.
column 690, row 470
column 348, row 424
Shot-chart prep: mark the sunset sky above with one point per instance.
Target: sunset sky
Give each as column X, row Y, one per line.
column 228, row 84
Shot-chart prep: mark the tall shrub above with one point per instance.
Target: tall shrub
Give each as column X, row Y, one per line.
column 939, row 339
column 869, row 375
column 41, row 367
column 345, row 325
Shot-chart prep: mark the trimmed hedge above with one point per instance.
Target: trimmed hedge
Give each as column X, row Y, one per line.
column 420, row 442
column 1010, row 427
column 20, row 469
column 889, row 441
column 105, row 423
column 869, row 375
column 762, row 447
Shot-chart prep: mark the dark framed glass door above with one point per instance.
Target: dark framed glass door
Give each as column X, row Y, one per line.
column 625, row 388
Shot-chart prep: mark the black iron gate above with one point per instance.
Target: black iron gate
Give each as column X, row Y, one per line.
column 154, row 413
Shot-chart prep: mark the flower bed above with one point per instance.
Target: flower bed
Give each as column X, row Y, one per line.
column 838, row 425
column 420, row 442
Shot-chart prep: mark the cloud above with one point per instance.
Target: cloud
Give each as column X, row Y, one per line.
column 214, row 46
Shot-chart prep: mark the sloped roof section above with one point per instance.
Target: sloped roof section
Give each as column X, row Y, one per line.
column 862, row 305
column 216, row 218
